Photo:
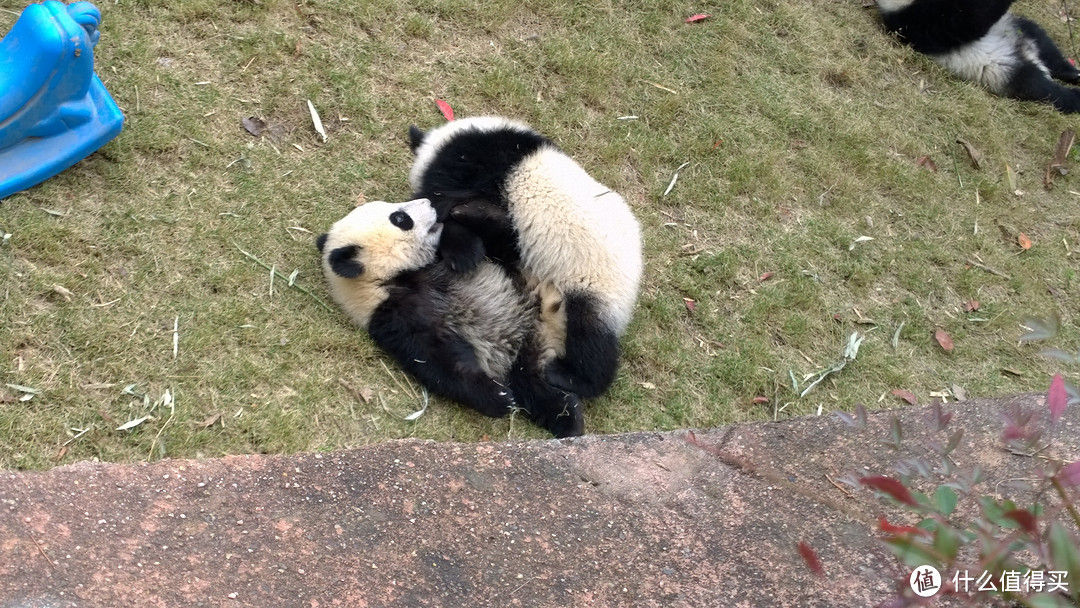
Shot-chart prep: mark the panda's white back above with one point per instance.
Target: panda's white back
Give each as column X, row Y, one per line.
column 576, row 230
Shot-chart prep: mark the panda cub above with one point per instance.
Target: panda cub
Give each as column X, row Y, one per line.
column 981, row 41
column 473, row 338
column 511, row 194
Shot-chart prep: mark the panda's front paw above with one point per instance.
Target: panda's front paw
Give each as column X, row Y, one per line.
column 460, row 250
column 564, row 420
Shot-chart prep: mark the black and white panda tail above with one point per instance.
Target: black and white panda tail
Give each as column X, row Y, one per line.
column 1030, row 83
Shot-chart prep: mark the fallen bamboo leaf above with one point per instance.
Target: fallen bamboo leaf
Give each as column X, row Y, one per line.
column 759, row 399
column 649, row 386
column 944, row 340
column 1010, row 176
column 861, row 239
column 23, row 389
column 697, row 17
column 674, row 178
column 420, row 412
column 973, row 155
column 63, row 291
column 1023, row 240
column 447, row 111
column 130, row 424
column 907, row 396
column 316, row 121
column 765, row 276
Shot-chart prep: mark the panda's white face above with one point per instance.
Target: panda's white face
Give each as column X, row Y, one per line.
column 372, row 244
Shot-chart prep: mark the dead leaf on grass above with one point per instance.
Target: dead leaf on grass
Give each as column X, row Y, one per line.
column 63, row 291
column 697, row 17
column 1023, row 240
column 1061, row 154
column 765, row 276
column 959, row 392
column 209, row 422
column 316, row 121
column 927, row 162
column 253, row 125
column 1014, row 184
column 944, row 340
column 447, row 111
column 973, row 154
column 971, row 306
column 907, row 396
column 690, row 304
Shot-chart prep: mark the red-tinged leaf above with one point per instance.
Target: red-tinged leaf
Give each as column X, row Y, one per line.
column 1025, row 519
column 1072, row 62
column 971, row 306
column 886, row 527
column 690, row 303
column 1069, row 475
column 890, row 486
column 445, row 108
column 1057, row 398
column 944, row 340
column 811, row 558
column 765, row 276
column 760, row 399
column 927, row 162
column 697, row 17
column 906, row 396
column 1024, row 242
column 1013, row 433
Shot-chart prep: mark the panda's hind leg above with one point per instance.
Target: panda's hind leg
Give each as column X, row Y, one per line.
column 1060, row 67
column 590, row 357
column 560, row 412
column 1030, row 83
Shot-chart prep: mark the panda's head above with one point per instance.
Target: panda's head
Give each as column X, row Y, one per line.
column 425, row 145
column 374, row 243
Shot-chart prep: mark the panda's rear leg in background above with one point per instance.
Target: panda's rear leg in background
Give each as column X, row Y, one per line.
column 1049, row 54
column 1030, row 83
column 590, row 357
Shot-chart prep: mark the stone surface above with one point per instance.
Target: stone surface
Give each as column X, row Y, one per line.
column 703, row 518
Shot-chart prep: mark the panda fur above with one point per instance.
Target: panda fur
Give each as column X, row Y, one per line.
column 981, row 41
column 551, row 220
column 472, row 338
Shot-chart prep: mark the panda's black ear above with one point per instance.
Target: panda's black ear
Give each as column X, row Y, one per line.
column 416, row 137
column 343, row 262
column 320, row 241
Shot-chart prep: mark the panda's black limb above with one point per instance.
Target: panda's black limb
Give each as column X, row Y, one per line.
column 460, row 248
column 416, row 336
column 1049, row 54
column 591, row 358
column 549, row 407
column 1030, row 83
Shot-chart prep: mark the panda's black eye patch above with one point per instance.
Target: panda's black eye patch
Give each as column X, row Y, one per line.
column 401, row 220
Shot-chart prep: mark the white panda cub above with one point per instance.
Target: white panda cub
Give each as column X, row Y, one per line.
column 981, row 41
column 510, row 193
column 472, row 338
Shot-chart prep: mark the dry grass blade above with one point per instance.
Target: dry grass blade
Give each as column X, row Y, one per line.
column 273, row 269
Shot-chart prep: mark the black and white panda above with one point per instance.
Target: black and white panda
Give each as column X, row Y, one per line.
column 473, row 338
column 511, row 193
column 981, row 41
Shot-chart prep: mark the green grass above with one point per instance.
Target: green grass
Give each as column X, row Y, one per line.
column 801, row 128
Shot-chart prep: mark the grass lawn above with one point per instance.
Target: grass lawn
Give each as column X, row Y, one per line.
column 137, row 285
